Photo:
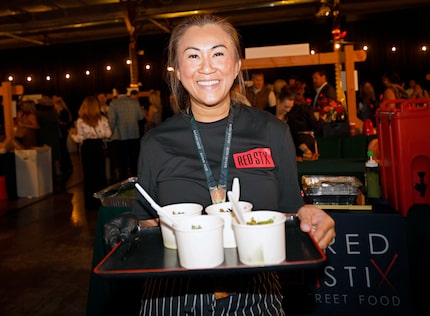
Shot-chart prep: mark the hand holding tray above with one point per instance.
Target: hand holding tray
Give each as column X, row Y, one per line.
column 146, row 256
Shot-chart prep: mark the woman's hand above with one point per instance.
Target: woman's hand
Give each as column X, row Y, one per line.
column 318, row 223
column 120, row 228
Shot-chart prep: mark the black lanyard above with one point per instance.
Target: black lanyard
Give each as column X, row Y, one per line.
column 217, row 190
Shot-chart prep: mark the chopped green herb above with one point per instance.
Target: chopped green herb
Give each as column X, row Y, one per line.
column 254, row 222
column 177, row 213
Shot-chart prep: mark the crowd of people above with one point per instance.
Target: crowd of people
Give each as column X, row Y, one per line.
column 208, row 96
column 106, row 132
column 304, row 108
column 49, row 121
column 45, row 122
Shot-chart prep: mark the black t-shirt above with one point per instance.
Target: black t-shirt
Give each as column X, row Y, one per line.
column 262, row 156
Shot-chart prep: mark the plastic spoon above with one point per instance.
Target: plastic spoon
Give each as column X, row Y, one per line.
column 236, row 208
column 236, row 189
column 170, row 220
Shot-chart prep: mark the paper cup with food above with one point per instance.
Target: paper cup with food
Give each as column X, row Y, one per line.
column 261, row 241
column 224, row 210
column 200, row 241
column 177, row 211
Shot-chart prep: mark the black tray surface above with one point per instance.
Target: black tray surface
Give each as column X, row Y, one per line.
column 146, row 256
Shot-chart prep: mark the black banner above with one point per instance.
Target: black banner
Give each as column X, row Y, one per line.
column 367, row 271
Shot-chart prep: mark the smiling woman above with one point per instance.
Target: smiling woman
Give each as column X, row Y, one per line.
column 204, row 147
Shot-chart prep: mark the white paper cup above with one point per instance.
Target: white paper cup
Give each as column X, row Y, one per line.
column 224, row 210
column 177, row 210
column 200, row 241
column 261, row 244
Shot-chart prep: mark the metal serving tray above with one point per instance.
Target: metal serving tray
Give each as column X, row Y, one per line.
column 331, row 185
column 146, row 256
column 335, row 190
column 121, row 194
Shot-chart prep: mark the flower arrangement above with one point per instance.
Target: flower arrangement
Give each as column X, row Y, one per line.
column 332, row 111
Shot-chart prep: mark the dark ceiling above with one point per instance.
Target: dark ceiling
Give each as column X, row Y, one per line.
column 26, row 23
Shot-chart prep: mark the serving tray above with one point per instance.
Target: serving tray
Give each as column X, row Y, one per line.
column 145, row 256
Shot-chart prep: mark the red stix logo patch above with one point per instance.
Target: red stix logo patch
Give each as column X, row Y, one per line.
column 255, row 158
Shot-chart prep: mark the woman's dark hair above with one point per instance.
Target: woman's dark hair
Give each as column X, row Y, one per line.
column 286, row 93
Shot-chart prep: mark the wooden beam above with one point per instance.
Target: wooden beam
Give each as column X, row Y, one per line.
column 350, row 87
column 7, row 91
column 302, row 60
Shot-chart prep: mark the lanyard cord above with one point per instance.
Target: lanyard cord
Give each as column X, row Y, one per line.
column 217, row 191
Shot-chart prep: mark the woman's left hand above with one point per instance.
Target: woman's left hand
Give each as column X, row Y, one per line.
column 318, row 223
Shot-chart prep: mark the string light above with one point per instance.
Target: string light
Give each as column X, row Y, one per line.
column 422, row 48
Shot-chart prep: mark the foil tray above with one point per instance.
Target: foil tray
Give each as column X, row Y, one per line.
column 122, row 194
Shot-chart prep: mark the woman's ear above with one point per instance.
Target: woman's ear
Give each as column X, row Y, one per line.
column 178, row 75
column 238, row 66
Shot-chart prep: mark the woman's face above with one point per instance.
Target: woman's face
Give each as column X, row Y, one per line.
column 207, row 65
column 285, row 105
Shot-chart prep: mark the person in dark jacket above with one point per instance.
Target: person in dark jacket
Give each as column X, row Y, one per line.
column 323, row 92
column 49, row 131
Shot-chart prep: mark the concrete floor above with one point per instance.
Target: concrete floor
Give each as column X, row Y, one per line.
column 46, row 247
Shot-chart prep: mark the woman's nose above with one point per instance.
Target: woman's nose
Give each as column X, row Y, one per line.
column 206, row 65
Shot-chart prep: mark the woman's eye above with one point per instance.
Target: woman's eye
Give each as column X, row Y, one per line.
column 193, row 56
column 219, row 54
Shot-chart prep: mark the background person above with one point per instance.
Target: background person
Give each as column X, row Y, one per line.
column 393, row 87
column 65, row 121
column 260, row 95
column 367, row 102
column 124, row 116
column 91, row 130
column 323, row 92
column 27, row 124
column 304, row 125
column 49, row 131
column 205, row 52
column 153, row 116
column 284, row 103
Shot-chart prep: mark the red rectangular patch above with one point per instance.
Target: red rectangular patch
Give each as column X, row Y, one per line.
column 255, row 158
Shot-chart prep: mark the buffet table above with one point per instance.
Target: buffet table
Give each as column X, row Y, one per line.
column 339, row 156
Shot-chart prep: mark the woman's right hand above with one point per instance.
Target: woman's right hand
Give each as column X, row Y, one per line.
column 120, row 228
